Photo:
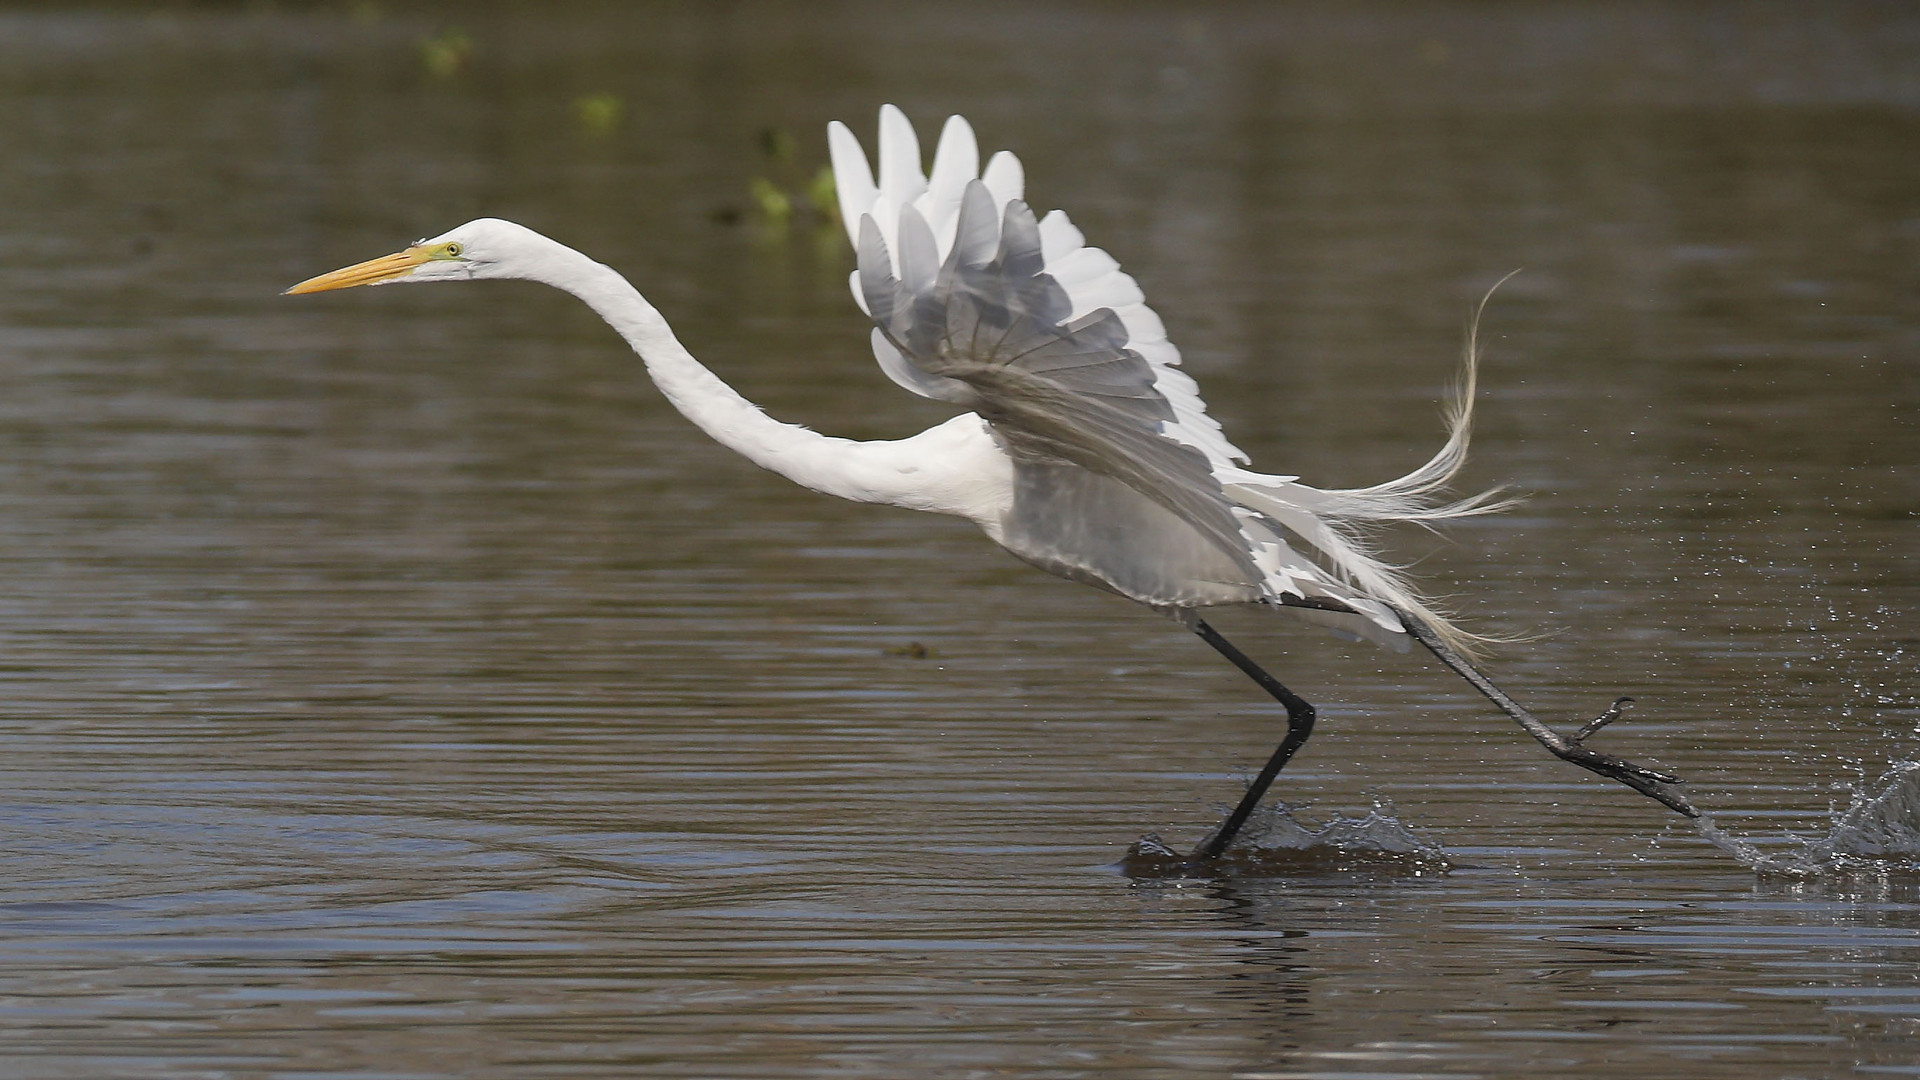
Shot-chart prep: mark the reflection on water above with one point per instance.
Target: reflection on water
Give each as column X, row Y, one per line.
column 394, row 686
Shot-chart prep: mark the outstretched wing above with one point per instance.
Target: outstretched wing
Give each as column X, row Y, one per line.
column 989, row 328
column 1118, row 465
column 1090, row 278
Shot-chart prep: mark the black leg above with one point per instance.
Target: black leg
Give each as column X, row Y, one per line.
column 1299, row 726
column 1646, row 781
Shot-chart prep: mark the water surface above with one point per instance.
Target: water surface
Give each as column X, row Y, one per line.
column 394, row 686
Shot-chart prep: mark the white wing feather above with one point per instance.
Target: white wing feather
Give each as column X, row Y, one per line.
column 1091, row 277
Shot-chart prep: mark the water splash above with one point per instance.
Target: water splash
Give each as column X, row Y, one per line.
column 1275, row 843
column 1878, row 832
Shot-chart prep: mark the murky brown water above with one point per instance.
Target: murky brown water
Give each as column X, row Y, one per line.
column 393, row 686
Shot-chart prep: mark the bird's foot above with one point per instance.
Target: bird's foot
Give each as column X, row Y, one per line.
column 1649, row 782
column 1613, row 713
column 1150, row 857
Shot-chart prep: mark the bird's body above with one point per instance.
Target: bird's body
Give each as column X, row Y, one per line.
column 1087, row 451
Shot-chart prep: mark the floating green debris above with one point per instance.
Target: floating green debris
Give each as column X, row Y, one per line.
column 773, row 204
column 597, row 114
column 447, row 55
column 781, row 198
column 823, row 195
column 778, row 144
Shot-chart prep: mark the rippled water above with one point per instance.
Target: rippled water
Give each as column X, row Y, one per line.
column 395, row 687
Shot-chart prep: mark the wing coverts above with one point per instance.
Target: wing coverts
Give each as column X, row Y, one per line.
column 991, row 330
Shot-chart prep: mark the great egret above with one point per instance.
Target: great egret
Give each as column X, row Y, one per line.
column 1087, row 451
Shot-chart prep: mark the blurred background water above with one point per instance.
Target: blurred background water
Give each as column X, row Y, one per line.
column 392, row 685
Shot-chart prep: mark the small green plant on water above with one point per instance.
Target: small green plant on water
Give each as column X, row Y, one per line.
column 597, row 113
column 779, row 204
column 772, row 203
column 446, row 55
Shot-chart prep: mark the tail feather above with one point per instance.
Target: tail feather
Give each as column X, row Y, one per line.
column 1413, row 497
column 1342, row 523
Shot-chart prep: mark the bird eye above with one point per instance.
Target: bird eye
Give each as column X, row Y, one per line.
column 454, row 250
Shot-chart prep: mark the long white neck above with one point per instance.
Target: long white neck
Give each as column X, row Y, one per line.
column 921, row 473
column 698, row 393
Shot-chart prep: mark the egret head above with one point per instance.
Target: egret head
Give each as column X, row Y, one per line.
column 483, row 248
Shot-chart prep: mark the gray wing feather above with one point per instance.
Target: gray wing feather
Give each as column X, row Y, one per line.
column 990, row 329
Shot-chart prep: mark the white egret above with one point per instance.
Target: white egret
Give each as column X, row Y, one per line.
column 1086, row 451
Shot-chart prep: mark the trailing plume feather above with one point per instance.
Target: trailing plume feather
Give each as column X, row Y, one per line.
column 1342, row 523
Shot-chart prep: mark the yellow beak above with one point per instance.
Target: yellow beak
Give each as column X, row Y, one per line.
column 371, row 272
